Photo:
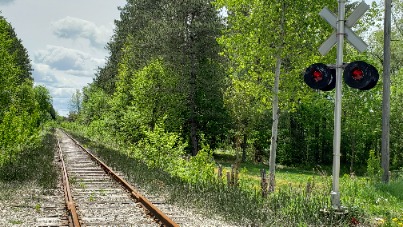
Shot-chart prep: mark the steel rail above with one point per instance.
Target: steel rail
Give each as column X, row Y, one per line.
column 71, row 207
column 154, row 211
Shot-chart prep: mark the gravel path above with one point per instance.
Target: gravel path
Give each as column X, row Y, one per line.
column 30, row 205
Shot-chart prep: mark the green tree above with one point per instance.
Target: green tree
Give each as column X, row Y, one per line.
column 75, row 103
column 261, row 44
column 182, row 36
column 15, row 48
column 44, row 100
column 376, row 51
column 22, row 106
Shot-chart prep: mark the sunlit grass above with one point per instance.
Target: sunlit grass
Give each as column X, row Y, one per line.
column 375, row 201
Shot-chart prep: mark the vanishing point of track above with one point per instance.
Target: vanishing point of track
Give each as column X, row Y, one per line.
column 97, row 196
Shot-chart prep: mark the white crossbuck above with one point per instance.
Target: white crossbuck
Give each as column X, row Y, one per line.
column 351, row 37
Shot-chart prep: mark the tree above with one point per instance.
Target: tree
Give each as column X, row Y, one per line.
column 181, row 35
column 392, row 64
column 21, row 104
column 44, row 100
column 76, row 101
column 17, row 50
column 260, row 43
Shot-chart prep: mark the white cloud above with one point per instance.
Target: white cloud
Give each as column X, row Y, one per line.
column 62, row 71
column 75, row 28
column 69, row 60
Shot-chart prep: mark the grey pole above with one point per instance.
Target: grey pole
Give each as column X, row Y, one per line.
column 386, row 93
column 335, row 194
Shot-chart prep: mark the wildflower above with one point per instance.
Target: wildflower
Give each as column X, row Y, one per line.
column 380, row 221
column 400, row 224
column 395, row 219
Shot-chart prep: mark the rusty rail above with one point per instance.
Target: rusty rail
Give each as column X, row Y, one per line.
column 155, row 211
column 71, row 207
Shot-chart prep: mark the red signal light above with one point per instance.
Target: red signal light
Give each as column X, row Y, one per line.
column 358, row 74
column 317, row 75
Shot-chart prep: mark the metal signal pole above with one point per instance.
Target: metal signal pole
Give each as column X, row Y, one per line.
column 386, row 93
column 335, row 194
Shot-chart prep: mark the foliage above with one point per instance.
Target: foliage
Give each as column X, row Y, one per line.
column 159, row 149
column 11, row 44
column 374, row 170
column 179, row 80
column 24, row 108
column 34, row 162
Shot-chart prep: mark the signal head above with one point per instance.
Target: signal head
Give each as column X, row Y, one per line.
column 360, row 75
column 320, row 76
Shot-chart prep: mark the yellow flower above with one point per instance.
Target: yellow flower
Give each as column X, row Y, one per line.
column 395, row 219
column 380, row 220
column 400, row 224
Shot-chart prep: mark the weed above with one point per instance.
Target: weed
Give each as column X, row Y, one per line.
column 81, row 184
column 16, row 222
column 38, row 207
column 35, row 163
column 73, row 180
column 92, row 198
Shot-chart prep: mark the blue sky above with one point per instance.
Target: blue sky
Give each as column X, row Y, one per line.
column 65, row 40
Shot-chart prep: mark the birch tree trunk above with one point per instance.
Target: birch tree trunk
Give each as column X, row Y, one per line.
column 276, row 111
column 274, row 127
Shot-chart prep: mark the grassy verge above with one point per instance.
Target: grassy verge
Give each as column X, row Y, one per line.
column 33, row 164
column 372, row 202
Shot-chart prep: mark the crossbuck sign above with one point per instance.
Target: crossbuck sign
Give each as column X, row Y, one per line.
column 352, row 38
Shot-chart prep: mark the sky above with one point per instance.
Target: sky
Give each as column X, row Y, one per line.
column 65, row 40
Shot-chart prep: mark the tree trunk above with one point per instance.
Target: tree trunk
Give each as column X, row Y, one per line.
column 245, row 137
column 192, row 64
column 276, row 111
column 192, row 101
column 352, row 158
column 274, row 128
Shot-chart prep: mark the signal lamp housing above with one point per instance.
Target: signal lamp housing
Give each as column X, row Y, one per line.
column 320, row 76
column 360, row 75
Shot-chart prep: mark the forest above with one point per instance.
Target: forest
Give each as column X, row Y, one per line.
column 192, row 84
column 206, row 71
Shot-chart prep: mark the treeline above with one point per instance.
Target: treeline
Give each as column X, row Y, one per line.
column 24, row 108
column 205, row 71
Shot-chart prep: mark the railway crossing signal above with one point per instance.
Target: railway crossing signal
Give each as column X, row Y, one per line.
column 357, row 74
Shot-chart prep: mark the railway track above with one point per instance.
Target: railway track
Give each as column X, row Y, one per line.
column 97, row 196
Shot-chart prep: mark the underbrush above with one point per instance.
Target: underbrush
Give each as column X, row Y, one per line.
column 33, row 163
column 292, row 204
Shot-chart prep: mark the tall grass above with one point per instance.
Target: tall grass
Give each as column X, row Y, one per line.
column 33, row 163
